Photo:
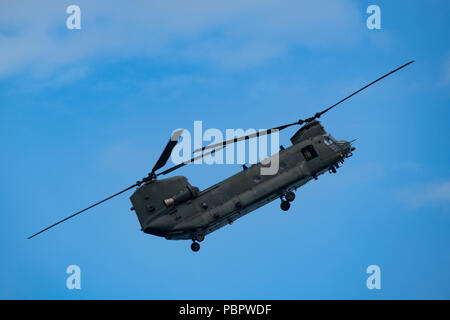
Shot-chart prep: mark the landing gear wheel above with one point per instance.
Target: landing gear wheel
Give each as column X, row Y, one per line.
column 285, row 205
column 195, row 246
column 290, row 196
column 200, row 237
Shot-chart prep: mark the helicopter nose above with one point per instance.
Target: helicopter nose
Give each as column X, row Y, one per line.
column 351, row 143
column 348, row 147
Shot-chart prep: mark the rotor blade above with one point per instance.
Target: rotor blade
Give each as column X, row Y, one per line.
column 77, row 213
column 167, row 150
column 299, row 122
column 317, row 115
column 250, row 136
column 189, row 161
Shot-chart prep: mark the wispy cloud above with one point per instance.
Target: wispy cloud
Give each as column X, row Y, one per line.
column 227, row 34
column 432, row 193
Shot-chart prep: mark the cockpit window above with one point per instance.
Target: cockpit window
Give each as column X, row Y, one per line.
column 327, row 140
column 309, row 153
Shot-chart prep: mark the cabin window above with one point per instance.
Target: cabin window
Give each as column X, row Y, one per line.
column 309, row 153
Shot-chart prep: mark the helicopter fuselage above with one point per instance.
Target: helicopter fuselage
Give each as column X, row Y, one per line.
column 173, row 209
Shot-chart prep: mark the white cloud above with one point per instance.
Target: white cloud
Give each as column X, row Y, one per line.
column 227, row 34
column 433, row 193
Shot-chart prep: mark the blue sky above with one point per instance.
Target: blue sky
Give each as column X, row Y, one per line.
column 85, row 113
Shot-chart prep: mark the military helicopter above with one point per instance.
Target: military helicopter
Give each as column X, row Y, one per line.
column 174, row 209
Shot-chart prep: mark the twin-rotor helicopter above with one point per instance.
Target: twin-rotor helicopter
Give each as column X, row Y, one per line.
column 174, row 209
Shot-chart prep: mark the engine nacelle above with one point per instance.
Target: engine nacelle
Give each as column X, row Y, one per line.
column 182, row 196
